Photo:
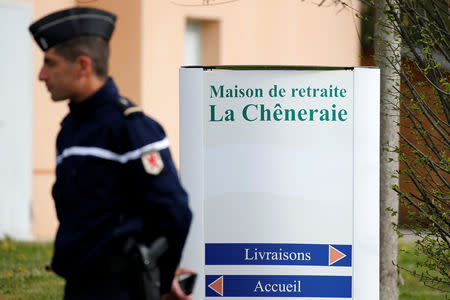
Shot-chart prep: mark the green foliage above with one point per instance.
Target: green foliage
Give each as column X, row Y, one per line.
column 367, row 17
column 423, row 27
column 424, row 132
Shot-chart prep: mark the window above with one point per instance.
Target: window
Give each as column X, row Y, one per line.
column 202, row 42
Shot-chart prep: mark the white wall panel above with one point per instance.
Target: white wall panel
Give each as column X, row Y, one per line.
column 15, row 120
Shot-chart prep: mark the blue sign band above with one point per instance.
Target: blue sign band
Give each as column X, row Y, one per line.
column 279, row 254
column 278, row 286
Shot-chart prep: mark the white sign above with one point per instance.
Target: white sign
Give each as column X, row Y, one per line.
column 282, row 171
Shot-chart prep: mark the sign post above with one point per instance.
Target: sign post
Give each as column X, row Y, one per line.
column 281, row 164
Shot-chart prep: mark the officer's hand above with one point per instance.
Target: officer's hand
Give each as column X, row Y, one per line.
column 176, row 293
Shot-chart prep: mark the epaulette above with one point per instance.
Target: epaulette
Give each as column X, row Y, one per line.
column 127, row 107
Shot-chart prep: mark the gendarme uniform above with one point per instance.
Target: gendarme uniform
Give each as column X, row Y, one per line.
column 114, row 177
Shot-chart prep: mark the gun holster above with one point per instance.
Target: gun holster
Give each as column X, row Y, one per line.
column 145, row 260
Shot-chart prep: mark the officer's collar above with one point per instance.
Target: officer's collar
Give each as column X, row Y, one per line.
column 107, row 93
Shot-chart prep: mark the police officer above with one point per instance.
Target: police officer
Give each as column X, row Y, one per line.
column 115, row 179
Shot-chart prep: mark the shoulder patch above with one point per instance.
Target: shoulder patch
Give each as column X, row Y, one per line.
column 153, row 163
column 127, row 107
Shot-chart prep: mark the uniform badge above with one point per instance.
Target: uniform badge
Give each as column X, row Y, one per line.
column 153, row 163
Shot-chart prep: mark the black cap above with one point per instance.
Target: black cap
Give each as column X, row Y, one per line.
column 67, row 24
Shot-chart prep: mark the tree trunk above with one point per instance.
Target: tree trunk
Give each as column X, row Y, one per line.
column 387, row 57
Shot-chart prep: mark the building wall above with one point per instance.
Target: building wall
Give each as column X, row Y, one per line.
column 147, row 51
column 47, row 116
column 251, row 32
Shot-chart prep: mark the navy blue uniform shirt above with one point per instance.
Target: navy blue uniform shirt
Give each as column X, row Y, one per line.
column 114, row 178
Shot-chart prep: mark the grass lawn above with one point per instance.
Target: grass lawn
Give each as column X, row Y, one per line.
column 412, row 288
column 23, row 274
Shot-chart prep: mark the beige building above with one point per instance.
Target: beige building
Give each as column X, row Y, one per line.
column 153, row 38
